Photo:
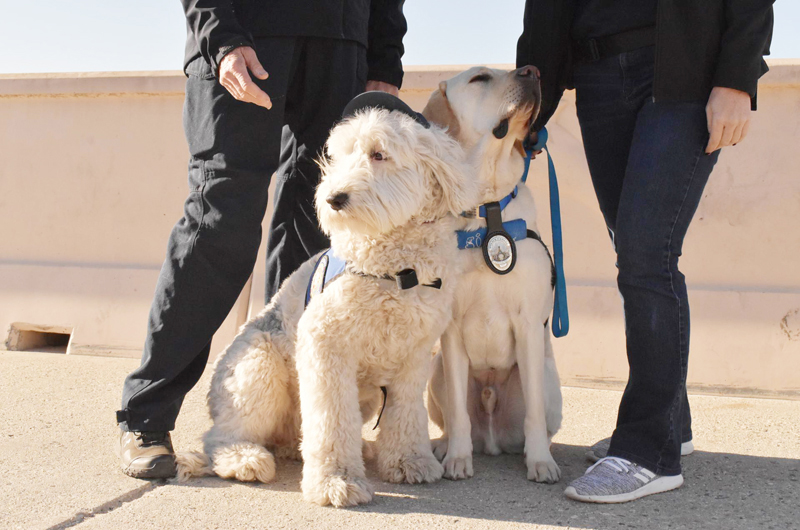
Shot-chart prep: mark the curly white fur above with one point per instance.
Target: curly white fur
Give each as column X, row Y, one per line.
column 329, row 361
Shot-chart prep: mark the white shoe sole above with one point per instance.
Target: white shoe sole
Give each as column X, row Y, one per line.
column 687, row 448
column 659, row 485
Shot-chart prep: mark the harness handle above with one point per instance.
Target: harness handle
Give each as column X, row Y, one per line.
column 560, row 310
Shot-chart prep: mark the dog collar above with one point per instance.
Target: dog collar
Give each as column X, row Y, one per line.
column 329, row 267
column 497, row 239
column 480, row 211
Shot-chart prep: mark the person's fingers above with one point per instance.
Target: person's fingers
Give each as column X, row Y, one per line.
column 709, row 125
column 244, row 89
column 728, row 129
column 714, row 137
column 246, row 84
column 258, row 96
column 252, row 62
column 745, row 130
column 736, row 137
column 231, row 87
column 230, row 75
column 234, row 76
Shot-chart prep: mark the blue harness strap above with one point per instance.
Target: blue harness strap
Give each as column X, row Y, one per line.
column 517, row 229
column 502, row 202
column 560, row 309
column 328, row 267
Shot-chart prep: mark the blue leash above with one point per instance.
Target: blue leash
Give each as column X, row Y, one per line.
column 560, row 309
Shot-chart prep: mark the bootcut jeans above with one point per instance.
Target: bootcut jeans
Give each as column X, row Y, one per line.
column 649, row 168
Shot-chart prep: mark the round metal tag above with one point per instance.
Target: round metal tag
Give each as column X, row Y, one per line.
column 318, row 281
column 500, row 252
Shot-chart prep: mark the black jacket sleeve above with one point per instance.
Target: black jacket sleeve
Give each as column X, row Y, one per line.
column 745, row 40
column 387, row 26
column 544, row 43
column 215, row 28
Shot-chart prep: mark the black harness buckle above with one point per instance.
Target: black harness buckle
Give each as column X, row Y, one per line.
column 406, row 279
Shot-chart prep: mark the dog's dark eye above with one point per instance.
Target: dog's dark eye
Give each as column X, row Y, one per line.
column 378, row 156
column 480, row 78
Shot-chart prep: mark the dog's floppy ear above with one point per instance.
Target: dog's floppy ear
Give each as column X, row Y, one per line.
column 446, row 162
column 439, row 111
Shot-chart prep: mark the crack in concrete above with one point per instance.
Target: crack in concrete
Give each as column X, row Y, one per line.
column 108, row 507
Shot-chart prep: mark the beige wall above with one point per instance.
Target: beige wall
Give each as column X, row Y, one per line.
column 93, row 178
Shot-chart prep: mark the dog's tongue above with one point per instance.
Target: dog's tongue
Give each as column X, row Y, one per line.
column 381, row 100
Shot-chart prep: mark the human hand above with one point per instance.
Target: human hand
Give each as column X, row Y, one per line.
column 728, row 113
column 531, row 140
column 383, row 87
column 234, row 77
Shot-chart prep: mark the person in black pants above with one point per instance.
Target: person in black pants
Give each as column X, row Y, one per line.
column 240, row 130
column 661, row 86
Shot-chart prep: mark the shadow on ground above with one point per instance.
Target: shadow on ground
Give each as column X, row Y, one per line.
column 721, row 491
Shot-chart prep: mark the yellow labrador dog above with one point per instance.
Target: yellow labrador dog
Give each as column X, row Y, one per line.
column 494, row 385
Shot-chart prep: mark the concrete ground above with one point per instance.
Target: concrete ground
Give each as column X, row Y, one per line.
column 58, row 468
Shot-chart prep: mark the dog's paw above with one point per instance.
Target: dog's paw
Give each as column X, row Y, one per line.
column 192, row 464
column 412, row 469
column 337, row 490
column 439, row 447
column 543, row 470
column 457, row 468
column 244, row 461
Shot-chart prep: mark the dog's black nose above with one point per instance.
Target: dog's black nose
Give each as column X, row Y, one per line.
column 338, row 200
column 528, row 71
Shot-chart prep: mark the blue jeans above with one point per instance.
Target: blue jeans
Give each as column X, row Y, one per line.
column 649, row 168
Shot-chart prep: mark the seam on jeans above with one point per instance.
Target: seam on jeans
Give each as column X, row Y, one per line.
column 677, row 298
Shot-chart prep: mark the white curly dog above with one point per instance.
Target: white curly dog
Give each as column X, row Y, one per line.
column 495, row 387
column 388, row 198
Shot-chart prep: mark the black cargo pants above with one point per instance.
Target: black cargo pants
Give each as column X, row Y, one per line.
column 235, row 147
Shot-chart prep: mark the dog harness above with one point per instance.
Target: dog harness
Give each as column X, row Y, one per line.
column 497, row 239
column 329, row 267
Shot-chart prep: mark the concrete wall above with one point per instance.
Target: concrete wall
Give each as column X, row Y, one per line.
column 93, row 178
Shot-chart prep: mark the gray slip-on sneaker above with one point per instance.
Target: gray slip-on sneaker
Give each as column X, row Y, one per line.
column 615, row 480
column 146, row 454
column 600, row 449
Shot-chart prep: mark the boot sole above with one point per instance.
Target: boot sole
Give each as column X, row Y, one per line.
column 160, row 469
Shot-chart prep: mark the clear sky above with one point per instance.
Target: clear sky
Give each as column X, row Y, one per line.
column 113, row 35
